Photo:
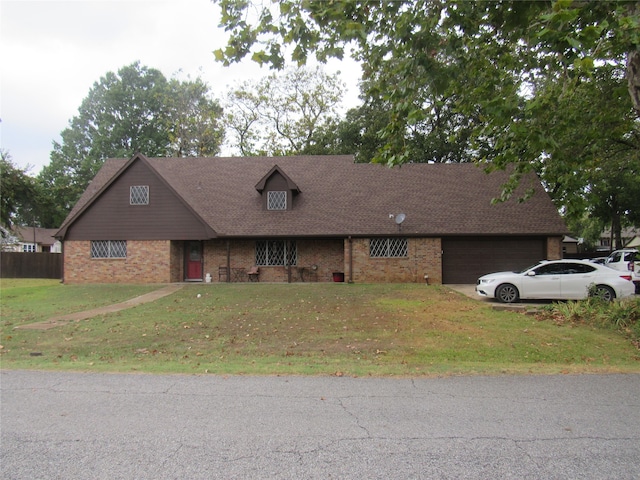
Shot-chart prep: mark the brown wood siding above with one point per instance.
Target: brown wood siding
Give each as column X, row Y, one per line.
column 465, row 259
column 111, row 217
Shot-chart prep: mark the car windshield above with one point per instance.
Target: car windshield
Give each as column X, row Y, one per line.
column 530, row 267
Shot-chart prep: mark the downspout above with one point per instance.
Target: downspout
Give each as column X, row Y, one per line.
column 287, row 263
column 350, row 259
column 63, row 254
column 228, row 260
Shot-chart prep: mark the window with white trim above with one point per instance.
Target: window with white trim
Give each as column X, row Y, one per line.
column 139, row 195
column 388, row 247
column 108, row 249
column 28, row 247
column 276, row 253
column 276, row 200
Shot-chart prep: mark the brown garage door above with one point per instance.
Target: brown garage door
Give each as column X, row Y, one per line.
column 466, row 259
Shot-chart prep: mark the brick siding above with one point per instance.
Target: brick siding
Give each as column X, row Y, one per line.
column 146, row 262
column 424, row 258
column 162, row 261
column 325, row 255
column 177, row 261
column 554, row 248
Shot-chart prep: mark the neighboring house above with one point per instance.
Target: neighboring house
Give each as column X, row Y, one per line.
column 570, row 245
column 34, row 239
column 634, row 242
column 629, row 236
column 304, row 218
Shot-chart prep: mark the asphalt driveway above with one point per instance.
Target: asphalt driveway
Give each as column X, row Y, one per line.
column 119, row 426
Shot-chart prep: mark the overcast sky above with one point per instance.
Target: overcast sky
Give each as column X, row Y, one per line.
column 53, row 51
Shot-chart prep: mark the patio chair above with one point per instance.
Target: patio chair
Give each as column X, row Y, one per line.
column 254, row 274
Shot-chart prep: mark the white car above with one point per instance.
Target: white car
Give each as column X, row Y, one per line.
column 557, row 280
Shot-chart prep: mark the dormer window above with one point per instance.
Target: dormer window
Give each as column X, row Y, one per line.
column 278, row 191
column 277, row 200
column 139, row 195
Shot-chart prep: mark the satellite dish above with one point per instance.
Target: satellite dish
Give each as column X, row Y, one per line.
column 400, row 218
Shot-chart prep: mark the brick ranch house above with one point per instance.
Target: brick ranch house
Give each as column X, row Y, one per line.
column 303, row 218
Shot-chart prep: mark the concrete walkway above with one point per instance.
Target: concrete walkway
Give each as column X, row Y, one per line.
column 530, row 307
column 468, row 289
column 116, row 307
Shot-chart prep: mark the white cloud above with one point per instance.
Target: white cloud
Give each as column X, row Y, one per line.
column 53, row 51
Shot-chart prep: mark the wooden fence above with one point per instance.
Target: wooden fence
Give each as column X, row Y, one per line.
column 30, row 265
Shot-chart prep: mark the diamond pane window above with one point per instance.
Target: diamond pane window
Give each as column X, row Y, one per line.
column 276, row 200
column 261, row 253
column 118, row 249
column 139, row 195
column 274, row 253
column 292, row 254
column 109, row 249
column 388, row 247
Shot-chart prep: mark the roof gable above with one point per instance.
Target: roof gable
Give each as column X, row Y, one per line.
column 291, row 185
column 108, row 213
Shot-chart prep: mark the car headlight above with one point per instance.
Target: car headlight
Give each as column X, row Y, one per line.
column 486, row 281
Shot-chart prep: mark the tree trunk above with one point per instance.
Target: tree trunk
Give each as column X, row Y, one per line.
column 616, row 229
column 633, row 78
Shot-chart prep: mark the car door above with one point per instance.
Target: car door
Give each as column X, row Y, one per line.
column 614, row 260
column 576, row 280
column 544, row 284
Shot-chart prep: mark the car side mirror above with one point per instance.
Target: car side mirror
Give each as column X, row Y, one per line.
column 531, row 273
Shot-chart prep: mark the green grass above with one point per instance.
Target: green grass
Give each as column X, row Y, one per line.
column 299, row 329
column 29, row 300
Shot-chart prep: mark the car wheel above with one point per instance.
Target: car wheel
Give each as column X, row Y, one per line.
column 507, row 293
column 604, row 292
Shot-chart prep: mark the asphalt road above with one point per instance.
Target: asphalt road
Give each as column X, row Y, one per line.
column 113, row 426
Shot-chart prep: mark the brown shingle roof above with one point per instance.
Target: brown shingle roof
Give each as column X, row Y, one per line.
column 43, row 236
column 339, row 197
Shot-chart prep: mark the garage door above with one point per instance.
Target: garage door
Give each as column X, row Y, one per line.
column 466, row 259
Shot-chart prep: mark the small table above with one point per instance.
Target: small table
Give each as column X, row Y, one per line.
column 308, row 273
column 238, row 274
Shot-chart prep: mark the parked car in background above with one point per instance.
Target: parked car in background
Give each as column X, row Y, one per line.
column 557, row 280
column 600, row 260
column 626, row 260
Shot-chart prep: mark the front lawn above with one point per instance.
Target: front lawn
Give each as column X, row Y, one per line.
column 302, row 329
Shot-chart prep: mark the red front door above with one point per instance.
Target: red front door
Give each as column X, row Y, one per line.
column 193, row 253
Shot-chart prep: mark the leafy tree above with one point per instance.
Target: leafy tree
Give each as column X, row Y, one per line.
column 283, row 114
column 17, row 191
column 242, row 117
column 194, row 120
column 485, row 53
column 133, row 110
column 354, row 134
column 589, row 141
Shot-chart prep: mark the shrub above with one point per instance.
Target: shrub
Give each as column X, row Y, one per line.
column 622, row 315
